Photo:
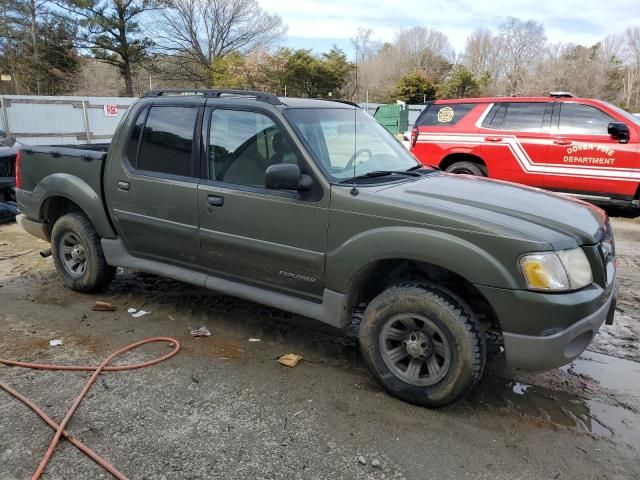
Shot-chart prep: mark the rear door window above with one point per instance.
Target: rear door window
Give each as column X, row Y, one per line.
column 524, row 116
column 495, row 118
column 444, row 115
column 517, row 116
column 167, row 141
column 583, row 119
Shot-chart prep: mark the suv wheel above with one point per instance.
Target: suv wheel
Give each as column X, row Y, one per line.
column 78, row 255
column 468, row 168
column 422, row 345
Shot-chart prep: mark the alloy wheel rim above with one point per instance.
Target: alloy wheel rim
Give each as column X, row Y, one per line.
column 73, row 254
column 415, row 349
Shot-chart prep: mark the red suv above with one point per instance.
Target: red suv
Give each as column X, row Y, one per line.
column 582, row 147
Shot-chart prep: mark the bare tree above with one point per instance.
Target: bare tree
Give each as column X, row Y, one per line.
column 196, row 34
column 632, row 54
column 365, row 49
column 522, row 45
column 482, row 53
column 424, row 49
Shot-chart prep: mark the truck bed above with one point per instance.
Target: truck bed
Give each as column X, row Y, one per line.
column 49, row 170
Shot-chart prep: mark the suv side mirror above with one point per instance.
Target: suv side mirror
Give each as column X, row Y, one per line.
column 286, row 176
column 619, row 130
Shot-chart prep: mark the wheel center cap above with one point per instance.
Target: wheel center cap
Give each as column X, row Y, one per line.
column 418, row 345
column 77, row 252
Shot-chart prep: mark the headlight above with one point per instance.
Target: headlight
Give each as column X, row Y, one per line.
column 556, row 271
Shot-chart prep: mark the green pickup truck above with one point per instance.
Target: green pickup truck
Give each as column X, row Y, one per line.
column 312, row 207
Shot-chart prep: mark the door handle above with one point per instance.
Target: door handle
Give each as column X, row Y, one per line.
column 562, row 141
column 124, row 186
column 215, row 201
column 493, row 139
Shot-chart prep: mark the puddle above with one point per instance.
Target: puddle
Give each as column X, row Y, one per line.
column 617, row 374
column 601, row 397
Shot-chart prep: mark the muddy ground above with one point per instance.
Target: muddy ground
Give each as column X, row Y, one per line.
column 224, row 408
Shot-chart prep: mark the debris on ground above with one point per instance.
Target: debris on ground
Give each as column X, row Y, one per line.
column 375, row 463
column 55, row 343
column 135, row 313
column 290, row 360
column 200, row 332
column 520, row 388
column 254, row 339
column 362, row 460
column 103, row 307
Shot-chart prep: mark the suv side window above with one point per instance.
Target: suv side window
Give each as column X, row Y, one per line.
column 444, row 114
column 524, row 116
column 242, row 144
column 495, row 118
column 134, row 139
column 583, row 119
column 167, row 140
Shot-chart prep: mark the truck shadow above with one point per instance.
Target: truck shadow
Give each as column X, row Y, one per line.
column 585, row 397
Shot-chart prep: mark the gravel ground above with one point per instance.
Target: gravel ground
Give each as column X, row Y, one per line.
column 224, row 408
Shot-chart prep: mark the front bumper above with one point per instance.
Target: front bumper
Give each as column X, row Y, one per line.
column 545, row 331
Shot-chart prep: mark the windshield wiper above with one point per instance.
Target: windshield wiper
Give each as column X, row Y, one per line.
column 384, row 173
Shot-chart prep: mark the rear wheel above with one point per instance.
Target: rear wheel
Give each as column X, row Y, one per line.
column 422, row 345
column 78, row 255
column 468, row 168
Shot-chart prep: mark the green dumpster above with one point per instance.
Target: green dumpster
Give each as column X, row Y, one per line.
column 394, row 117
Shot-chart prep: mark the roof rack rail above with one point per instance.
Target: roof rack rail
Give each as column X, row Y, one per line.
column 561, row 94
column 346, row 102
column 215, row 93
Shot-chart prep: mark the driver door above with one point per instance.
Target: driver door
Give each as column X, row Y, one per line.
column 271, row 238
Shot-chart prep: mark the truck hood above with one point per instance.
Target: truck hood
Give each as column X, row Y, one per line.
column 532, row 212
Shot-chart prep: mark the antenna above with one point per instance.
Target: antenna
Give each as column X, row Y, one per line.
column 354, row 189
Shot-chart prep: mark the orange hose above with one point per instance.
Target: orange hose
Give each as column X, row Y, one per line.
column 60, row 428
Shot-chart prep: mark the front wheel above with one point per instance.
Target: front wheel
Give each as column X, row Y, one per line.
column 467, row 168
column 78, row 255
column 422, row 345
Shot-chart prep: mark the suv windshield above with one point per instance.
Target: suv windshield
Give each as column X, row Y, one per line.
column 625, row 114
column 348, row 140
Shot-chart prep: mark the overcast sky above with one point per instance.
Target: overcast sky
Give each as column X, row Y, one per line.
column 318, row 24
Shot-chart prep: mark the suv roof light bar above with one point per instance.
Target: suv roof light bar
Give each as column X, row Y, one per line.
column 215, row 93
column 561, row 94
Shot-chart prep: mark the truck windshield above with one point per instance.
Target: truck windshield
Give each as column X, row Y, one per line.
column 348, row 141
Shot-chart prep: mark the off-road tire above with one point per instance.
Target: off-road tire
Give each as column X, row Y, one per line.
column 466, row 340
column 97, row 274
column 468, row 168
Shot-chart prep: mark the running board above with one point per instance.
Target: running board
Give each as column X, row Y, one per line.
column 332, row 310
column 587, row 197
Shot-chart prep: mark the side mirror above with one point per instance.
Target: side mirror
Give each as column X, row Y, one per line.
column 286, row 176
column 619, row 130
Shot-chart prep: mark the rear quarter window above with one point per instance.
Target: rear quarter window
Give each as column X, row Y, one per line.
column 444, row 115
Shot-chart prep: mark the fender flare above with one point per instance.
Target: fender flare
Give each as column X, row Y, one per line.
column 418, row 244
column 81, row 193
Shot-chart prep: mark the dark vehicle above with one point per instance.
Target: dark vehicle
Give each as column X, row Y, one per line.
column 8, row 150
column 312, row 207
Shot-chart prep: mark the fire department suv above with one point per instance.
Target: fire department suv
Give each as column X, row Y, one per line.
column 582, row 147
